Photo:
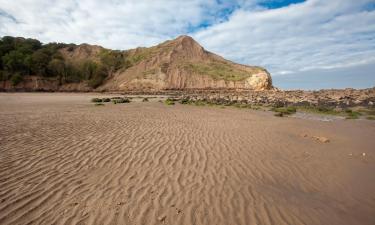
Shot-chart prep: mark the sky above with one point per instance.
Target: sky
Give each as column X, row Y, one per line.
column 304, row 44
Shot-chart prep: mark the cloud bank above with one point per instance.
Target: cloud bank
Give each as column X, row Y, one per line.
column 286, row 39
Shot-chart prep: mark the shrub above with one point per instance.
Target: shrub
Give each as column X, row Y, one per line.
column 218, row 71
column 57, row 67
column 145, row 100
column 99, row 104
column 319, row 109
column 39, row 62
column 106, row 99
column 4, row 75
column 352, row 114
column 98, row 76
column 279, row 114
column 370, row 117
column 324, row 109
column 16, row 79
column 285, row 110
column 242, row 106
column 169, row 101
column 111, row 59
column 200, row 103
column 96, row 100
column 185, row 101
column 367, row 111
column 120, row 100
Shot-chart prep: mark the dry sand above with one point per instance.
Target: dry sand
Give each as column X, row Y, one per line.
column 65, row 161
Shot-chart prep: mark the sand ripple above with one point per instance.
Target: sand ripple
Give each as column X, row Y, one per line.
column 65, row 161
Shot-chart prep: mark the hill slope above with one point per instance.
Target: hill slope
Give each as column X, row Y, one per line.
column 184, row 64
column 177, row 64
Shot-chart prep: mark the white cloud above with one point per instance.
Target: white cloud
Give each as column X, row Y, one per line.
column 115, row 24
column 311, row 35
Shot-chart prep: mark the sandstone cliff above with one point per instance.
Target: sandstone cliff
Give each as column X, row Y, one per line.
column 183, row 64
column 179, row 64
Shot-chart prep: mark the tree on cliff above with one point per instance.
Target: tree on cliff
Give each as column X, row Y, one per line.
column 39, row 62
column 57, row 67
column 20, row 57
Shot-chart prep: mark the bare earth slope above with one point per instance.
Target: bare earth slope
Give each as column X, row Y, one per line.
column 184, row 64
column 65, row 161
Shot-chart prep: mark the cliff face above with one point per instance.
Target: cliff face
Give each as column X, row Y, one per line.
column 36, row 83
column 180, row 64
column 184, row 64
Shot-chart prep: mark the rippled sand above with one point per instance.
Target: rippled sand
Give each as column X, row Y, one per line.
column 65, row 161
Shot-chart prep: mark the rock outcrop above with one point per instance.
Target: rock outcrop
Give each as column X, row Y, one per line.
column 340, row 98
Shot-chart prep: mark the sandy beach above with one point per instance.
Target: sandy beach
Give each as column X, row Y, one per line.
column 64, row 160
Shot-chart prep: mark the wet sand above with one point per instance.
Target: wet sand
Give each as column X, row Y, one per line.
column 65, row 161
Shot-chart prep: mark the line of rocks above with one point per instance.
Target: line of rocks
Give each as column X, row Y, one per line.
column 328, row 98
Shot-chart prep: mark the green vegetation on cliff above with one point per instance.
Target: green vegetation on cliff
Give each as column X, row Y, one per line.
column 20, row 57
column 218, row 71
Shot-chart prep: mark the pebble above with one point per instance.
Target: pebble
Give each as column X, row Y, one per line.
column 322, row 139
column 162, row 218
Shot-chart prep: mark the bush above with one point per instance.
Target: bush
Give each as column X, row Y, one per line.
column 16, row 79
column 199, row 103
column 111, row 59
column 285, row 110
column 96, row 100
column 4, row 75
column 99, row 104
column 120, row 100
column 145, row 100
column 352, row 114
column 39, row 62
column 57, row 67
column 242, row 106
column 169, row 101
column 98, row 76
column 319, row 110
column 368, row 111
column 185, row 101
column 324, row 109
column 279, row 114
column 106, row 99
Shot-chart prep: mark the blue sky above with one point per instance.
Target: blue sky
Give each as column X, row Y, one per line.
column 308, row 44
column 274, row 4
